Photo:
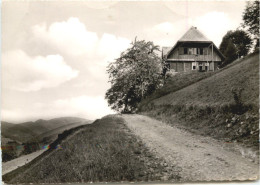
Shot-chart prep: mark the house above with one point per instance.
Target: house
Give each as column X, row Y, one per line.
column 192, row 52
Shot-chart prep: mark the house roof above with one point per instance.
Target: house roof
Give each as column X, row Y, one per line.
column 165, row 50
column 194, row 35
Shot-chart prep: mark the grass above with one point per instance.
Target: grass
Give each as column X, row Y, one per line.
column 175, row 83
column 210, row 106
column 31, row 136
column 105, row 151
column 210, row 87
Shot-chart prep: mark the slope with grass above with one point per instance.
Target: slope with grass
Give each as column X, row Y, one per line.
column 28, row 137
column 209, row 106
column 105, row 151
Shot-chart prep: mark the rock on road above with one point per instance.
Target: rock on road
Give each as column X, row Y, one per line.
column 201, row 158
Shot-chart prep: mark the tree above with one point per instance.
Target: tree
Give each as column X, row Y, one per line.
column 251, row 20
column 133, row 76
column 241, row 40
column 230, row 53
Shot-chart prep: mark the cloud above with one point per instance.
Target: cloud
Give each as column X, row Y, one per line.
column 84, row 49
column 214, row 25
column 86, row 106
column 80, row 106
column 163, row 34
column 73, row 38
column 69, row 36
column 24, row 73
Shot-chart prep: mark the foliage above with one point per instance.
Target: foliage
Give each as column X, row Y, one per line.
column 251, row 18
column 230, row 52
column 133, row 76
column 239, row 107
column 235, row 44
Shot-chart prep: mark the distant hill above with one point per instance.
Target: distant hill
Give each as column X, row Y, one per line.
column 34, row 135
column 212, row 103
column 28, row 131
column 16, row 132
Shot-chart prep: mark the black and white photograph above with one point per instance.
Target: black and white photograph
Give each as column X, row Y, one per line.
column 126, row 92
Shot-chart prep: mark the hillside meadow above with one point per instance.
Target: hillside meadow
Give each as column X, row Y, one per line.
column 222, row 104
column 105, row 151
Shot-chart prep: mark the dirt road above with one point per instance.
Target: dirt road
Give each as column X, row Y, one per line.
column 20, row 161
column 201, row 158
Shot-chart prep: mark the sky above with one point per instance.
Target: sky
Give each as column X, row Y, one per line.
column 55, row 54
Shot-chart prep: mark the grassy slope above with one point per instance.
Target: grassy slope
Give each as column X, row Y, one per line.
column 205, row 107
column 34, row 134
column 105, row 151
column 217, row 88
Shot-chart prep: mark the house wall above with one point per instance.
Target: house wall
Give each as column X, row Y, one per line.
column 173, row 65
column 180, row 67
column 186, row 66
column 178, row 53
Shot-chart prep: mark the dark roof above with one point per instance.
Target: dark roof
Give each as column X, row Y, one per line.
column 194, row 35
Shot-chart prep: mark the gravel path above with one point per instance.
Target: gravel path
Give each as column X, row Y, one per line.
column 201, row 158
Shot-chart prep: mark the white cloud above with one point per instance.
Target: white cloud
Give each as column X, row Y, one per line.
column 166, row 33
column 73, row 38
column 69, row 36
column 214, row 25
column 86, row 106
column 81, row 106
column 83, row 50
column 110, row 46
column 24, row 73
column 83, row 47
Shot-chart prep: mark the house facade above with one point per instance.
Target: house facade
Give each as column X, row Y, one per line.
column 192, row 52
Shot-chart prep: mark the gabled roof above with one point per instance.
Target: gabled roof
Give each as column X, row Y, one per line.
column 193, row 35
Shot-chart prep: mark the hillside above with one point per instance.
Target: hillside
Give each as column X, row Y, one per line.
column 208, row 107
column 28, row 137
column 28, row 131
column 105, row 151
column 16, row 132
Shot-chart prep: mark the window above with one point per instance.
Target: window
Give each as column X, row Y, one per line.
column 185, row 51
column 201, row 51
column 193, row 51
column 194, row 65
column 190, row 51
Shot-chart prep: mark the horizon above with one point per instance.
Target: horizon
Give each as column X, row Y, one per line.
column 54, row 63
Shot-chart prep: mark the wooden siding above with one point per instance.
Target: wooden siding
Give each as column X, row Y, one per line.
column 179, row 54
column 173, row 65
column 180, row 67
column 187, row 66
